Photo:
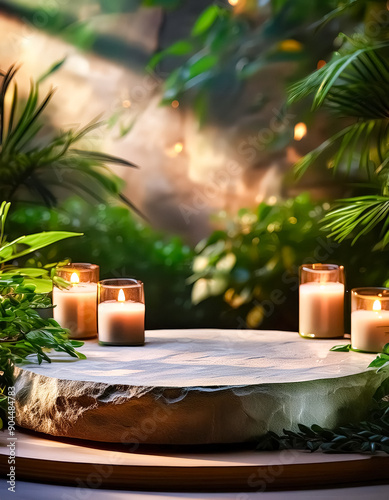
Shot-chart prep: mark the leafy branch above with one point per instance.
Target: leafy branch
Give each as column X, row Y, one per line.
column 369, row 436
column 23, row 332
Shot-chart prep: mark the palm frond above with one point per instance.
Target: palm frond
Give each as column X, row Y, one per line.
column 39, row 163
column 340, row 10
column 362, row 64
column 102, row 157
column 7, row 78
column 359, row 215
column 353, row 85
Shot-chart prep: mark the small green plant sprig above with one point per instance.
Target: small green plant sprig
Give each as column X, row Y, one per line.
column 379, row 362
column 23, row 331
column 368, row 436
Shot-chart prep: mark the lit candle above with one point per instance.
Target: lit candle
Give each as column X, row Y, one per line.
column 121, row 319
column 321, row 301
column 76, row 307
column 369, row 319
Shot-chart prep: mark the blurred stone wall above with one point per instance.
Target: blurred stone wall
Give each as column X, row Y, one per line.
column 186, row 173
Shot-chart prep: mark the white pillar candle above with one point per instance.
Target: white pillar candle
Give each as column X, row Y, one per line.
column 121, row 322
column 321, row 309
column 76, row 308
column 370, row 329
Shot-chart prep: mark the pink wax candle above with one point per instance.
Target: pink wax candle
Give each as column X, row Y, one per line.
column 76, row 307
column 321, row 301
column 322, row 310
column 121, row 312
column 369, row 319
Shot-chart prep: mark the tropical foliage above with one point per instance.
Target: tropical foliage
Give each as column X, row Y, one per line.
column 227, row 47
column 23, row 331
column 252, row 261
column 36, row 160
column 354, row 86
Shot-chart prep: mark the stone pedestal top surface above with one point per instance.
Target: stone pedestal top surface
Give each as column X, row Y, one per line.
column 203, row 358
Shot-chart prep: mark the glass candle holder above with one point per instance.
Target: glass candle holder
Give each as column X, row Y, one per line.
column 321, row 303
column 76, row 307
column 369, row 318
column 121, row 312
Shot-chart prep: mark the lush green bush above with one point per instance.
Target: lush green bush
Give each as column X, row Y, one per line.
column 244, row 274
column 253, row 261
column 123, row 246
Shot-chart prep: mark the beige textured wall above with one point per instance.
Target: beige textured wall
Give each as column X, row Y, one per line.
column 186, row 173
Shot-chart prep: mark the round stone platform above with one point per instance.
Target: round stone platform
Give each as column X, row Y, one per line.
column 195, row 387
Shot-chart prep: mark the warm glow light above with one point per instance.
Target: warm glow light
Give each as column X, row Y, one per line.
column 74, row 278
column 300, row 131
column 178, row 147
column 175, row 104
column 290, row 46
column 377, row 305
column 272, row 200
column 175, row 150
column 121, row 296
column 233, row 2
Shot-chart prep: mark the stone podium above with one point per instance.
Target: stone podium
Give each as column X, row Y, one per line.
column 195, row 387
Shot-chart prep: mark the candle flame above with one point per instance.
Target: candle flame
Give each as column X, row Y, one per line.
column 300, row 130
column 74, row 278
column 121, row 296
column 377, row 305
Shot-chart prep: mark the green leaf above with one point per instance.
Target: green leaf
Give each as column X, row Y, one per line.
column 55, row 67
column 34, row 242
column 378, row 362
column 202, row 65
column 341, row 348
column 103, row 157
column 204, row 288
column 180, row 48
column 206, row 20
column 4, row 208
